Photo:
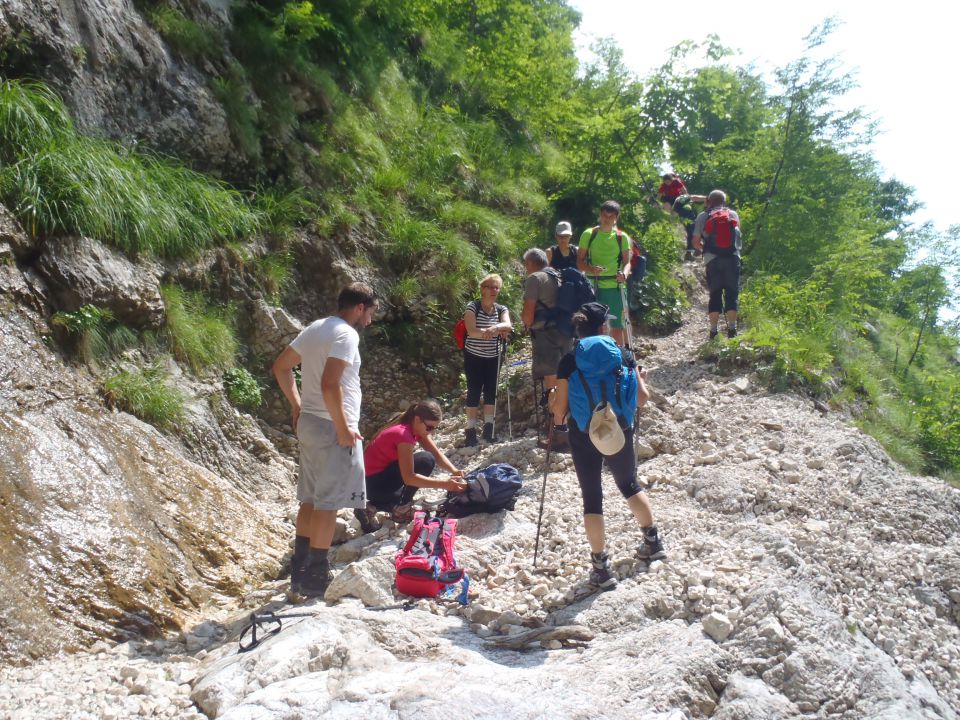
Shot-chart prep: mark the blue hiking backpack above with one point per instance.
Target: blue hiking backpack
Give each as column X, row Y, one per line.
column 605, row 373
column 491, row 489
column 574, row 290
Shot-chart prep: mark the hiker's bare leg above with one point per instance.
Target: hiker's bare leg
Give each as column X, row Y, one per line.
column 593, row 523
column 487, row 411
column 472, row 416
column 731, row 317
column 304, row 514
column 322, row 525
column 639, row 505
column 549, row 382
column 714, row 320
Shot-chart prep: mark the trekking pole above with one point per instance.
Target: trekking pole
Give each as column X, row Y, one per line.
column 536, row 403
column 496, row 389
column 509, row 416
column 627, row 325
column 543, row 493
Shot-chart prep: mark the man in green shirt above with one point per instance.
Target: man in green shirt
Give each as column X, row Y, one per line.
column 605, row 258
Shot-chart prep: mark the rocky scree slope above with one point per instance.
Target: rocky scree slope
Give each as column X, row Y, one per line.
column 808, row 576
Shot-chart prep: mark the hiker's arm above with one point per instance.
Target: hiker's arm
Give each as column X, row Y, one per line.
column 504, row 327
column 442, row 460
column 559, row 402
column 582, row 264
column 549, row 252
column 470, row 320
column 624, row 264
column 283, row 371
column 412, row 479
column 529, row 312
column 643, row 392
column 333, row 398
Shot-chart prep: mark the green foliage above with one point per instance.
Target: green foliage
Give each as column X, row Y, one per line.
column 190, row 39
column 242, row 388
column 198, row 335
column 59, row 182
column 95, row 334
column 660, row 297
column 144, row 393
column 273, row 271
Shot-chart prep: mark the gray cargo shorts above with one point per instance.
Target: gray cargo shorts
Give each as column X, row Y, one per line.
column 331, row 477
column 549, row 345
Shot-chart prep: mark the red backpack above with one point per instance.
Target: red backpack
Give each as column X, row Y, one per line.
column 720, row 232
column 459, row 333
column 427, row 565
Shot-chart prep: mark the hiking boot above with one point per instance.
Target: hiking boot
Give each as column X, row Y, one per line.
column 402, row 514
column 487, row 432
column 688, row 256
column 652, row 546
column 298, row 562
column 732, row 332
column 601, row 575
column 713, row 333
column 316, row 574
column 471, row 440
column 367, row 517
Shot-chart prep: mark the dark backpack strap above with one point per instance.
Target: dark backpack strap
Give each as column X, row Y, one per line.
column 586, row 389
column 593, row 234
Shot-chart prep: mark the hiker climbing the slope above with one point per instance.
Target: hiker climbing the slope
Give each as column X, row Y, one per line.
column 670, row 189
column 550, row 343
column 325, row 415
column 563, row 254
column 488, row 325
column 600, row 371
column 395, row 472
column 683, row 208
column 604, row 256
column 717, row 235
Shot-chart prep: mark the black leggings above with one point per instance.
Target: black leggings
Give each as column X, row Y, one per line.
column 723, row 281
column 385, row 490
column 481, row 375
column 588, row 462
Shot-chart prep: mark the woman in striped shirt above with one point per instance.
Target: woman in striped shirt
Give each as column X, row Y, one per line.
column 487, row 322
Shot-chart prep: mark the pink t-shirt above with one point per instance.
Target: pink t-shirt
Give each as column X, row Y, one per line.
column 383, row 450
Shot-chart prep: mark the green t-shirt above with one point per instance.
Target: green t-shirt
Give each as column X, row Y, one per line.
column 605, row 250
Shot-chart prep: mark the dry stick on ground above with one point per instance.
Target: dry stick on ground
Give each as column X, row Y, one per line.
column 575, row 633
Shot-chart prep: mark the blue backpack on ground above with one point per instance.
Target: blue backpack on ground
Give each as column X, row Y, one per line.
column 605, row 373
column 574, row 290
column 491, row 489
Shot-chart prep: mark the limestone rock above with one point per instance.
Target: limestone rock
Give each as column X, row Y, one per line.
column 370, row 580
column 718, row 626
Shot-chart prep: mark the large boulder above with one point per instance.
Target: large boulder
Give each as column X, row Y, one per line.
column 81, row 271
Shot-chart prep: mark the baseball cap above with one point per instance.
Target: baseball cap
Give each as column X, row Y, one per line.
column 563, row 228
column 597, row 313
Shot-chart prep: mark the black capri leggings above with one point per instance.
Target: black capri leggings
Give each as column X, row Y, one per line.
column 386, row 490
column 588, row 462
column 481, row 375
column 723, row 281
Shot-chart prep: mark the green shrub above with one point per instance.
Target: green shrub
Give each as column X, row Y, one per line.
column 190, row 39
column 198, row 334
column 242, row 388
column 95, row 333
column 659, row 299
column 144, row 393
column 58, row 182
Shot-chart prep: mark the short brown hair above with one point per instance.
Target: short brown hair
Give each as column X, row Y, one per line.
column 356, row 293
column 610, row 206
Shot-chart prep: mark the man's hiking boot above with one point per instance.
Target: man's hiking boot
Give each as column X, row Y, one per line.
column 471, row 440
column 732, row 331
column 316, row 574
column 298, row 561
column 652, row 546
column 713, row 333
column 402, row 514
column 367, row 517
column 487, row 432
column 601, row 575
column 688, row 256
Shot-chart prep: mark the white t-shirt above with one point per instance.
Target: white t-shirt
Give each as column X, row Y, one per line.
column 331, row 337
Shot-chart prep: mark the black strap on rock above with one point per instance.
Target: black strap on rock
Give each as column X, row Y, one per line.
column 266, row 618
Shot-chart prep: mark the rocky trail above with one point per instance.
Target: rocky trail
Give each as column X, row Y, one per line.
column 807, row 576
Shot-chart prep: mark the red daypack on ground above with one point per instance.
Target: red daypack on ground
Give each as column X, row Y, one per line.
column 427, row 565
column 720, row 232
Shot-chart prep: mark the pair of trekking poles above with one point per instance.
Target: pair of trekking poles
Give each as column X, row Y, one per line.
column 628, row 331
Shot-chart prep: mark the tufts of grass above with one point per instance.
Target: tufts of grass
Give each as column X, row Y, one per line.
column 188, row 38
column 59, row 182
column 94, row 333
column 144, row 393
column 199, row 335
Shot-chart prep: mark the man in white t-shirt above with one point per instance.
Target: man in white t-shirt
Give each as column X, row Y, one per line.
column 326, row 418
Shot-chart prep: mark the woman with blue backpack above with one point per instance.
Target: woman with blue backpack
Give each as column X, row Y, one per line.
column 600, row 387
column 395, row 472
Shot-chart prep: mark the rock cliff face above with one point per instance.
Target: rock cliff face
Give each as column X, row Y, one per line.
column 118, row 77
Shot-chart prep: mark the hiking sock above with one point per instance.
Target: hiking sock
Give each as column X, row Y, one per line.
column 713, row 331
column 471, row 423
column 301, row 545
column 488, row 419
column 602, row 576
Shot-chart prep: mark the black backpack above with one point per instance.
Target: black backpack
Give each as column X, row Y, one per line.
column 489, row 490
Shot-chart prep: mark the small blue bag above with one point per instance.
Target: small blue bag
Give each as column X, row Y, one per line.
column 489, row 490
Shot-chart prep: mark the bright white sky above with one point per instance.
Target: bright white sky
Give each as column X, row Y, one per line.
column 903, row 56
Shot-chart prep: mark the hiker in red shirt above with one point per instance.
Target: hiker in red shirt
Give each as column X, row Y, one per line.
column 670, row 189
column 395, row 472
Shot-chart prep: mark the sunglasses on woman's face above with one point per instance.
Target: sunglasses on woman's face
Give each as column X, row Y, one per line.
column 430, row 426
